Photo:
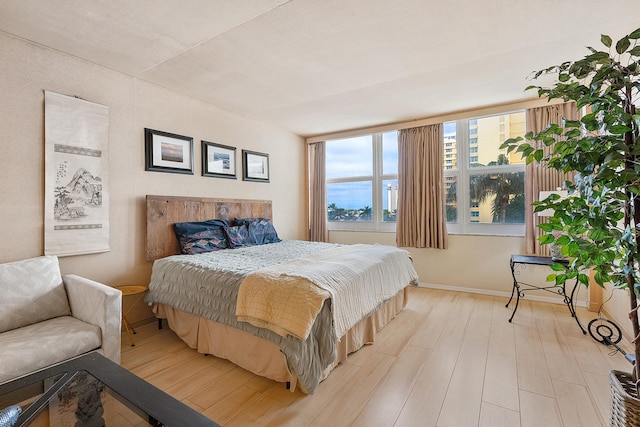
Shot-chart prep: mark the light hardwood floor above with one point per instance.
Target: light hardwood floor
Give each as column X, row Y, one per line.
column 449, row 359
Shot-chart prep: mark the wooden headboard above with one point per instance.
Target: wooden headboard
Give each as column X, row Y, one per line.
column 164, row 211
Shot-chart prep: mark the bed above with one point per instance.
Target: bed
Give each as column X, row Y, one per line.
column 272, row 307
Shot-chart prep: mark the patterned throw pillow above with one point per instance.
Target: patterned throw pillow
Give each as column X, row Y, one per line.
column 237, row 236
column 204, row 236
column 261, row 230
column 210, row 240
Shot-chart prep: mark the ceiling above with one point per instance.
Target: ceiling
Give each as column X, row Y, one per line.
column 320, row 66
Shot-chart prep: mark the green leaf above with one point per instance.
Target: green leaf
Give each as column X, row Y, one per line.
column 635, row 51
column 628, row 175
column 561, row 279
column 635, row 35
column 547, row 238
column 538, row 155
column 557, row 267
column 590, row 121
column 622, row 45
column 600, row 278
column 619, row 129
column 584, row 279
column 546, row 227
column 573, row 133
column 606, row 40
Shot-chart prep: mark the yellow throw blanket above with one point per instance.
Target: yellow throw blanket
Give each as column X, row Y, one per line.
column 286, row 305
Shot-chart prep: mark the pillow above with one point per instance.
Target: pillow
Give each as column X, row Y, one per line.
column 32, row 291
column 210, row 240
column 183, row 228
column 261, row 230
column 203, row 236
column 237, row 236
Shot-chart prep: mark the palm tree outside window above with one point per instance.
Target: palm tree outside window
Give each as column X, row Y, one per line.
column 484, row 190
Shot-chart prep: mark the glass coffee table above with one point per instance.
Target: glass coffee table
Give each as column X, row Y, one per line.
column 91, row 390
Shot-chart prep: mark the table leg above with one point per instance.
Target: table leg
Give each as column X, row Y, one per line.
column 127, row 325
column 515, row 283
column 572, row 307
column 128, row 329
column 516, row 289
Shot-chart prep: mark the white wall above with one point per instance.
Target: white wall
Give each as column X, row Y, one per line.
column 616, row 308
column 26, row 70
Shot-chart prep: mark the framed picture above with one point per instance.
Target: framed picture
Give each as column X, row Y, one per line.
column 168, row 152
column 218, row 160
column 255, row 166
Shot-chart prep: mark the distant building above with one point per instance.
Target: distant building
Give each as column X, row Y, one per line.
column 392, row 198
column 486, row 134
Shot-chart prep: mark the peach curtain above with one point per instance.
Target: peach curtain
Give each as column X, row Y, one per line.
column 421, row 220
column 539, row 177
column 318, row 231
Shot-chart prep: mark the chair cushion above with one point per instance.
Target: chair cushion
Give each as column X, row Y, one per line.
column 33, row 347
column 32, row 291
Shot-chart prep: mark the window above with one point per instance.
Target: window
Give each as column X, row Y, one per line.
column 362, row 182
column 484, row 187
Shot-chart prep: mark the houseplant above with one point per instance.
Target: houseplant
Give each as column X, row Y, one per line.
column 600, row 224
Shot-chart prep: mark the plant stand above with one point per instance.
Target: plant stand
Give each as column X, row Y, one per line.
column 625, row 405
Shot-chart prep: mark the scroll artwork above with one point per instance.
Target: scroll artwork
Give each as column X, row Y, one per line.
column 76, row 176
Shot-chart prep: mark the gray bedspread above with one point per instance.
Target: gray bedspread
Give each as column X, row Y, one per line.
column 207, row 285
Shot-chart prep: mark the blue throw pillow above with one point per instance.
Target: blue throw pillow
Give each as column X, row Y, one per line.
column 237, row 236
column 204, row 241
column 203, row 236
column 261, row 230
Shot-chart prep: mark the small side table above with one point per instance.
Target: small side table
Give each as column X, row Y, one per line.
column 520, row 287
column 130, row 290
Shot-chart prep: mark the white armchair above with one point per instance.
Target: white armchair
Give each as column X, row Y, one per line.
column 104, row 310
column 46, row 319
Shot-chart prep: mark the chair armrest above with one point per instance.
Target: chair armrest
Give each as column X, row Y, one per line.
column 99, row 305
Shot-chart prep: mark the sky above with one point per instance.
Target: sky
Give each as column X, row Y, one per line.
column 353, row 157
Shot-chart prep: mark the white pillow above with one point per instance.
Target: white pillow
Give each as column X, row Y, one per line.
column 32, row 291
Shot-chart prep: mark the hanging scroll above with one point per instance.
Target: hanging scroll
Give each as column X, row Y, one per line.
column 76, row 202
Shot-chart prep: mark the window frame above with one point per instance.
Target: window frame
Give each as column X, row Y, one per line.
column 462, row 173
column 377, row 223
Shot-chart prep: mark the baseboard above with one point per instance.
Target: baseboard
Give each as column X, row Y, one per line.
column 529, row 296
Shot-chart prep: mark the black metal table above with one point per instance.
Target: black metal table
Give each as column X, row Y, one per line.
column 92, row 390
column 519, row 287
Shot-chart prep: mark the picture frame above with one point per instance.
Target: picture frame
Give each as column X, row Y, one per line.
column 168, row 152
column 218, row 161
column 255, row 166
